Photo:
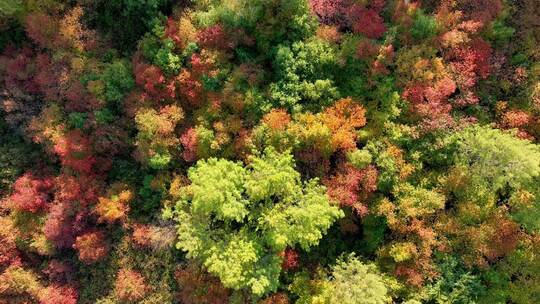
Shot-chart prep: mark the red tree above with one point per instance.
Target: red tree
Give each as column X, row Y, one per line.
column 470, row 62
column 290, row 259
column 152, row 80
column 191, row 89
column 69, row 214
column 189, row 143
column 214, row 37
column 75, row 151
column 198, row 287
column 58, row 225
column 18, row 68
column 352, row 187
column 91, row 247
column 330, row 11
column 57, row 294
column 42, row 29
column 367, row 22
column 130, row 286
column 31, row 194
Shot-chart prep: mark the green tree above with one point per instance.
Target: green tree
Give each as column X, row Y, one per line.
column 236, row 220
column 455, row 284
column 125, row 21
column 498, row 164
column 118, row 81
column 271, row 22
column 304, row 72
column 354, row 282
column 498, row 157
column 424, row 26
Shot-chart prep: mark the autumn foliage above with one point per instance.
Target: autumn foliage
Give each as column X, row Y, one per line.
column 269, row 151
column 129, row 286
column 91, row 247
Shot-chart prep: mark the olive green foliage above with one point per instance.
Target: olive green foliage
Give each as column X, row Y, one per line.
column 500, row 33
column 417, row 202
column 305, row 80
column 236, row 219
column 125, row 21
column 160, row 50
column 16, row 155
column 76, row 120
column 271, row 22
column 360, row 158
column 355, row 282
column 498, row 158
column 499, row 164
column 455, row 285
column 118, row 80
column 10, row 8
column 424, row 26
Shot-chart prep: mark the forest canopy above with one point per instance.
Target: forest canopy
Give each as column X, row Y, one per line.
column 269, row 151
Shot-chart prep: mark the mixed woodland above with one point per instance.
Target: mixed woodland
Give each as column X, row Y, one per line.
column 270, row 151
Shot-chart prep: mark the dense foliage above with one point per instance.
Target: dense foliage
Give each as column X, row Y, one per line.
column 269, row 151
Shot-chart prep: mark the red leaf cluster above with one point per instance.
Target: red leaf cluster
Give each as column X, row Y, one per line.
column 214, row 37
column 198, row 287
column 58, row 294
column 149, row 236
column 329, row 11
column 18, row 69
column 367, row 22
column 74, row 150
column 191, row 89
column 42, row 29
column 431, row 102
column 58, row 226
column 153, row 81
column 189, row 143
column 31, row 194
column 130, row 286
column 470, row 62
column 352, row 187
column 290, row 259
column 91, row 247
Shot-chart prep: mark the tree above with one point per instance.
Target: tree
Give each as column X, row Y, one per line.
column 305, row 76
column 236, row 220
column 497, row 158
column 367, row 21
column 156, row 137
column 197, row 286
column 352, row 187
column 124, row 21
column 31, row 194
column 455, row 284
column 130, row 286
column 15, row 280
column 75, row 151
column 424, row 26
column 354, row 282
column 155, row 237
column 114, row 207
column 91, row 246
column 330, row 11
column 56, row 294
column 117, row 80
